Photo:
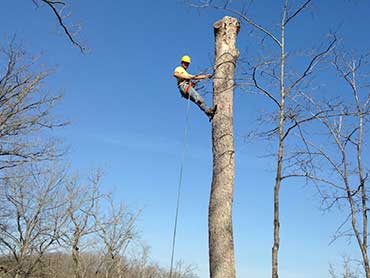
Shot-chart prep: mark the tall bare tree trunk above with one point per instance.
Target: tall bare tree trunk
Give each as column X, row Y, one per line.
column 362, row 243
column 76, row 258
column 221, row 243
column 280, row 154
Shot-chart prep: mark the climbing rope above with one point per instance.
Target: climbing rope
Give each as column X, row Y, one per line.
column 180, row 184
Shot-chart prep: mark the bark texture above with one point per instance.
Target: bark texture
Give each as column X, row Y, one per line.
column 221, row 243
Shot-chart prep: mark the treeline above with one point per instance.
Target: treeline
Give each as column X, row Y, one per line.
column 61, row 265
column 54, row 225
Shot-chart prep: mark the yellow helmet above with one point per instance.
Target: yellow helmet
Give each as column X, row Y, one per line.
column 186, row 59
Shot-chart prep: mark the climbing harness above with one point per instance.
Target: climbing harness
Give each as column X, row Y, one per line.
column 188, row 86
column 180, row 184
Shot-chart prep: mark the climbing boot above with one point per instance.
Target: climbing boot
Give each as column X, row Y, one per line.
column 211, row 112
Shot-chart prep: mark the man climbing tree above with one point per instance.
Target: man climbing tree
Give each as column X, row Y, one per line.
column 186, row 86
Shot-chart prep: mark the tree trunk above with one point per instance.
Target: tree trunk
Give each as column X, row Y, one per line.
column 221, row 245
column 76, row 259
column 280, row 154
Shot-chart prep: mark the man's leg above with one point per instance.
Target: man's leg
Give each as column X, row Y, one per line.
column 197, row 99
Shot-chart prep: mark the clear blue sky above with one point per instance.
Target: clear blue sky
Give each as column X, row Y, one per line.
column 128, row 117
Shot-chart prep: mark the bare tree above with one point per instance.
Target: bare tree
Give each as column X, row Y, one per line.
column 183, row 270
column 82, row 202
column 25, row 111
column 349, row 270
column 116, row 229
column 333, row 158
column 348, row 71
column 33, row 203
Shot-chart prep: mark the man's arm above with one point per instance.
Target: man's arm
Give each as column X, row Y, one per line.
column 183, row 75
column 201, row 76
column 187, row 76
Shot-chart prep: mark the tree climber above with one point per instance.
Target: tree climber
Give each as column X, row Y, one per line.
column 186, row 86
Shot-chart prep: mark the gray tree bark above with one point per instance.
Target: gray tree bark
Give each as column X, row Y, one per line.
column 221, row 243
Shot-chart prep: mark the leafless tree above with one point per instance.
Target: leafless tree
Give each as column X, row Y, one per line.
column 116, row 229
column 333, row 157
column 183, row 270
column 82, row 202
column 349, row 270
column 33, row 205
column 25, row 110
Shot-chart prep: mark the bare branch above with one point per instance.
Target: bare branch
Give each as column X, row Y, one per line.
column 254, row 24
column 302, row 7
column 241, row 14
column 53, row 6
column 265, row 92
column 314, row 61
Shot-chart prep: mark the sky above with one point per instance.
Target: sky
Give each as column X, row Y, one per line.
column 128, row 118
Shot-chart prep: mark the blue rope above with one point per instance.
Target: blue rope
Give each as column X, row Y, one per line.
column 180, row 184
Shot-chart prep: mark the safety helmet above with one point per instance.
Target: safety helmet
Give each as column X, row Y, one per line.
column 186, row 59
